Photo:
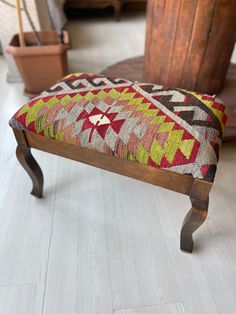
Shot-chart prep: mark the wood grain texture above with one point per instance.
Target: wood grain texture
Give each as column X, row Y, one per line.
column 186, row 46
column 168, row 308
column 24, row 234
column 78, row 279
column 137, row 249
column 22, row 299
column 190, row 274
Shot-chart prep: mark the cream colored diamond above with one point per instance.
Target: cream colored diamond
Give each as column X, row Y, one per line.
column 99, row 119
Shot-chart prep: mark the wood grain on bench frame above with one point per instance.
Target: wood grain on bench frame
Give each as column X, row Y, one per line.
column 197, row 189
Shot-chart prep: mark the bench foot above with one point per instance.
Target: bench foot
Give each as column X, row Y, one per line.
column 193, row 220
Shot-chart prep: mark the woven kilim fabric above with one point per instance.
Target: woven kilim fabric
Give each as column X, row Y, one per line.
column 161, row 127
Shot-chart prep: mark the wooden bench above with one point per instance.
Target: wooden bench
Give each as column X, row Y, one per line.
column 164, row 136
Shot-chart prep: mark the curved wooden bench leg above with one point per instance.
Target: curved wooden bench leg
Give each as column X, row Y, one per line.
column 199, row 198
column 193, row 220
column 26, row 159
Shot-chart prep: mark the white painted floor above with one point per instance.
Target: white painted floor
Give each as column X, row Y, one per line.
column 99, row 243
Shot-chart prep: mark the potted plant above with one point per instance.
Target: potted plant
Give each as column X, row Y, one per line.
column 41, row 57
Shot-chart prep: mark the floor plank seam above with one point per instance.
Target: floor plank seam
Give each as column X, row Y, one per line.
column 108, row 252
column 168, row 250
column 147, row 306
column 22, row 284
column 49, row 250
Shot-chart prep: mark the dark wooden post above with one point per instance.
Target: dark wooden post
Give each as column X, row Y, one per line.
column 189, row 43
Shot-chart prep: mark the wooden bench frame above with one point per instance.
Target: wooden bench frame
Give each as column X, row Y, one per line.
column 198, row 190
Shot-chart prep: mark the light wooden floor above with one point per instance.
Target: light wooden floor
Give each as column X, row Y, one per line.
column 99, row 243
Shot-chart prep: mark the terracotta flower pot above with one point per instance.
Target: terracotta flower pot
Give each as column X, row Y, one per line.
column 40, row 66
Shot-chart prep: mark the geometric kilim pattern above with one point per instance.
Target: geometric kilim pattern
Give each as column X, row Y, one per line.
column 161, row 127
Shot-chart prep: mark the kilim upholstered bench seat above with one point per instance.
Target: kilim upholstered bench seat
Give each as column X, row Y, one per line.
column 164, row 136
